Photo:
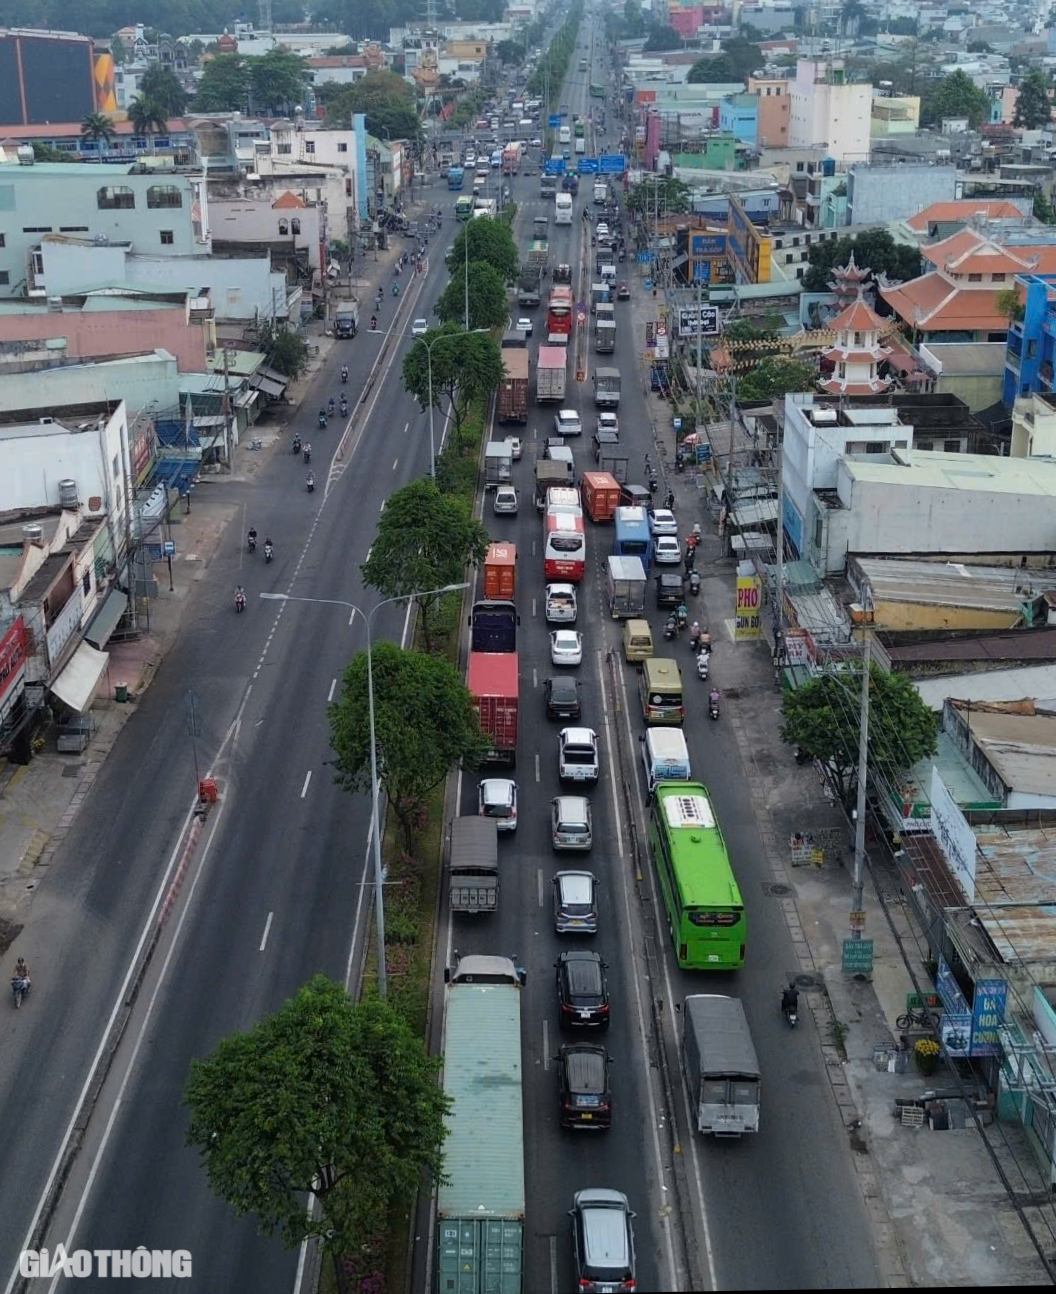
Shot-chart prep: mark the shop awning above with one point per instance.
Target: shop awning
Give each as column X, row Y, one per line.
column 268, row 385
column 245, row 398
column 105, row 619
column 77, row 683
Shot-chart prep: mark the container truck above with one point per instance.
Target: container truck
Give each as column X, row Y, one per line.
column 493, row 627
column 550, row 373
column 547, row 474
column 480, row 1203
column 473, row 866
column 500, row 572
column 513, row 389
column 601, row 495
column 625, row 587
column 720, row 1065
column 511, row 159
column 528, row 291
column 492, row 683
column 606, row 388
column 498, row 464
column 548, row 186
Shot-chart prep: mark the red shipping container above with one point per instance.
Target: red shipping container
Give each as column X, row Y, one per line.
column 601, row 495
column 492, row 682
column 500, row 572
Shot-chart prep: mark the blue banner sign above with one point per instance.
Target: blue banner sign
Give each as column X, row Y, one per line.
column 613, row 164
column 554, row 120
column 555, row 167
column 709, row 244
column 588, row 165
column 645, row 257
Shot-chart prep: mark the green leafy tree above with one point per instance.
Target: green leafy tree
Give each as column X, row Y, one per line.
column 491, row 241
column 1033, row 105
column 659, row 193
column 46, row 153
column 465, row 366
column 286, row 351
column 822, row 718
column 488, row 307
column 901, row 26
column 424, row 721
column 775, row 377
column 387, row 102
column 956, row 95
column 97, row 126
column 147, row 116
column 1043, row 209
column 303, row 1101
column 118, row 52
column 744, row 55
column 1008, row 304
column 661, row 38
column 224, row 86
column 160, row 85
column 510, row 51
column 276, row 81
column 874, row 249
column 425, row 540
column 712, row 71
column 979, row 47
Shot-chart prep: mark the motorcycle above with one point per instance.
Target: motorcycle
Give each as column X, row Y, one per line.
column 344, row 408
column 654, row 482
column 713, row 704
column 322, row 420
column 269, row 552
column 240, row 601
column 670, row 629
column 330, row 407
column 19, row 989
column 373, row 323
column 791, row 1013
column 395, row 289
column 682, row 617
column 344, row 374
column 296, row 444
column 702, row 665
column 309, row 482
column 307, row 454
column 694, row 582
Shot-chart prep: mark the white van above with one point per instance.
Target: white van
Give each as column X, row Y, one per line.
column 563, row 209
column 665, row 756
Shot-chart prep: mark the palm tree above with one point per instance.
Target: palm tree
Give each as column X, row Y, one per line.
column 97, row 126
column 147, row 116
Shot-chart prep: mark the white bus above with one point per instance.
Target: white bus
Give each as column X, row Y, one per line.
column 563, row 209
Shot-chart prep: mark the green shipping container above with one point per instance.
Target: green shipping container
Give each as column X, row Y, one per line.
column 481, row 1257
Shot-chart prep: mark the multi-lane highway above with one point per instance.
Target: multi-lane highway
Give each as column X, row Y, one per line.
column 276, row 892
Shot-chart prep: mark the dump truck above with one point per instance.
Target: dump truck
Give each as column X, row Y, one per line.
column 473, row 866
column 513, row 388
column 625, row 587
column 550, row 375
column 492, row 680
column 480, row 1202
column 528, row 289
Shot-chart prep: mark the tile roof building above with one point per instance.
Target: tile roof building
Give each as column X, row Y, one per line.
column 857, row 352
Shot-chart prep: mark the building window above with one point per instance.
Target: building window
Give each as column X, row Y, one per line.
column 284, row 228
column 3, row 240
column 799, row 166
column 295, row 225
column 875, row 447
column 86, row 582
column 36, row 229
column 70, row 229
column 116, row 197
column 951, row 446
column 167, row 238
column 998, row 278
column 924, row 444
column 164, row 195
column 857, row 338
column 285, row 148
column 342, row 148
column 309, row 145
column 795, row 242
column 819, row 533
column 975, row 278
column 5, row 277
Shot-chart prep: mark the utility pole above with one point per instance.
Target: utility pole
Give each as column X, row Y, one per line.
column 863, row 764
column 225, row 406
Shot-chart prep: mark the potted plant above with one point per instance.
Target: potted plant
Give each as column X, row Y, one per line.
column 927, row 1053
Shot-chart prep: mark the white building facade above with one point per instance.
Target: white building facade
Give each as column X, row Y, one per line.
column 826, row 111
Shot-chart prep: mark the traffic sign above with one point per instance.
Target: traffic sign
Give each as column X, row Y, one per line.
column 613, row 164
column 644, row 258
column 168, row 548
column 554, row 120
column 555, row 166
column 588, row 165
column 857, row 956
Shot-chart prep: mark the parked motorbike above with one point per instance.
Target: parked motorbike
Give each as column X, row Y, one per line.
column 19, row 989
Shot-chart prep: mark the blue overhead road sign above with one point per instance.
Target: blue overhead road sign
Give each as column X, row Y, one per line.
column 613, row 164
column 554, row 120
column 555, row 166
column 588, row 165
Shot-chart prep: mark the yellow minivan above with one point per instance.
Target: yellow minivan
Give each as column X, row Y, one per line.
column 637, row 640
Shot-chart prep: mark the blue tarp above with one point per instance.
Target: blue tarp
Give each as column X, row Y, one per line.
column 177, row 473
column 175, row 433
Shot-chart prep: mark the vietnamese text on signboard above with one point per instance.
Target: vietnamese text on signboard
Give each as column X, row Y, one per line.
column 13, row 647
column 709, row 244
column 956, row 838
column 688, row 317
column 748, row 624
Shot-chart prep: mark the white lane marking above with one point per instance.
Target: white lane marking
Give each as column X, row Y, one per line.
column 330, row 694
column 553, row 1265
column 264, row 937
column 405, row 427
column 307, row 779
column 537, row 767
column 394, row 462
column 535, row 677
column 383, row 503
column 539, row 881
column 534, row 611
column 546, row 1044
column 119, row 1100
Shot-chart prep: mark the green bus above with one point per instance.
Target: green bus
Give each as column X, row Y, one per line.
column 704, row 910
column 580, row 129
column 597, row 92
column 464, row 206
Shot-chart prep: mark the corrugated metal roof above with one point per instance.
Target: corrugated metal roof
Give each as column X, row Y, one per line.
column 1018, row 869
column 1035, row 681
column 484, row 1150
column 1014, row 644
column 1020, row 747
column 954, row 584
column 968, row 472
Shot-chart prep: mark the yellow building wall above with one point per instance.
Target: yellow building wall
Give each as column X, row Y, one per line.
column 914, row 615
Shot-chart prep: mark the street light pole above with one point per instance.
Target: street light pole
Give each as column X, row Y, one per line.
column 465, row 239
column 367, row 617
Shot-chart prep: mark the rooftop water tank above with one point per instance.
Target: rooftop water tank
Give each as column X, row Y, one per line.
column 33, row 533
column 68, row 497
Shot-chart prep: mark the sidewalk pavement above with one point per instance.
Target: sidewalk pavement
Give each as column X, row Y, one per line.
column 39, row 801
column 940, row 1213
